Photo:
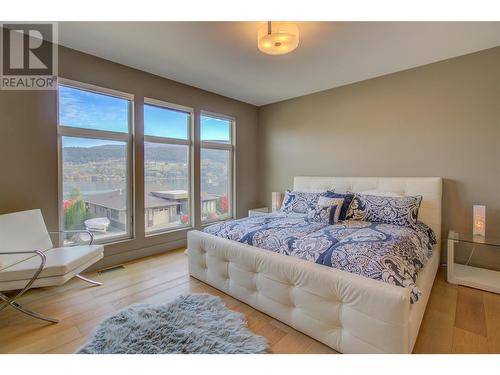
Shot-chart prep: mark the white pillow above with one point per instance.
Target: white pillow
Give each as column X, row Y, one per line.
column 381, row 193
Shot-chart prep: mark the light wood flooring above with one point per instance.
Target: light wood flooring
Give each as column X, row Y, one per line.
column 457, row 319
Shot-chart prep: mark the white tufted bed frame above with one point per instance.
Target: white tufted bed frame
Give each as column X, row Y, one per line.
column 348, row 312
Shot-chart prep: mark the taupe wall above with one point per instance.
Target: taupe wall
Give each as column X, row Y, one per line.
column 441, row 119
column 28, row 144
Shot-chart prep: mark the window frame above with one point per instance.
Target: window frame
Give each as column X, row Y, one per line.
column 173, row 141
column 231, row 147
column 128, row 138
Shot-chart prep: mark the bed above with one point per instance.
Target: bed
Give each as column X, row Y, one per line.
column 346, row 311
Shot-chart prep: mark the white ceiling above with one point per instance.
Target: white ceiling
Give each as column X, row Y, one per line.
column 222, row 57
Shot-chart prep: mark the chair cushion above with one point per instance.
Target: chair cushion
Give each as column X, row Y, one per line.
column 22, row 231
column 60, row 261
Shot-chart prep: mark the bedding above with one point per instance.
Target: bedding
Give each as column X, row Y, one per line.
column 347, row 197
column 324, row 214
column 380, row 193
column 323, row 204
column 383, row 209
column 300, row 202
column 385, row 252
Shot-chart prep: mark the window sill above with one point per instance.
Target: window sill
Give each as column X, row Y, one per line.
column 114, row 241
column 173, row 230
column 210, row 222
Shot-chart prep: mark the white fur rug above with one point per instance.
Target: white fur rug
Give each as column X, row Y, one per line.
column 193, row 323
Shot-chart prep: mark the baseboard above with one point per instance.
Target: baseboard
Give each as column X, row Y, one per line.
column 127, row 256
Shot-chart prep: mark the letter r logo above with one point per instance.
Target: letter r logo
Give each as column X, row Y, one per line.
column 27, row 49
column 35, row 40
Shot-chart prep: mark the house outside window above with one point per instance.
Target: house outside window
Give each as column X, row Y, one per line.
column 216, row 167
column 95, row 147
column 167, row 166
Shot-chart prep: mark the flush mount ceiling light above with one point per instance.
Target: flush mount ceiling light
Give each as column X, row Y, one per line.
column 278, row 38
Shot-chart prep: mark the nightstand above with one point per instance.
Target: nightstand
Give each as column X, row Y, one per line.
column 475, row 277
column 258, row 211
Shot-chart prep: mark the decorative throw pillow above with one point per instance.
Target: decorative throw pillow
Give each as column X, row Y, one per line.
column 299, row 201
column 381, row 193
column 323, row 214
column 401, row 211
column 328, row 201
column 347, row 196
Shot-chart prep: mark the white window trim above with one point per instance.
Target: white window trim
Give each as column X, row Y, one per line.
column 105, row 135
column 94, row 88
column 175, row 141
column 168, row 105
column 231, row 147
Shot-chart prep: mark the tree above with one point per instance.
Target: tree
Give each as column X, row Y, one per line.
column 67, row 203
column 75, row 211
column 223, row 204
column 75, row 194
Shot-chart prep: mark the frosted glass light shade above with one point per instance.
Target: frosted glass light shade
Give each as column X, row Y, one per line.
column 278, row 38
column 479, row 220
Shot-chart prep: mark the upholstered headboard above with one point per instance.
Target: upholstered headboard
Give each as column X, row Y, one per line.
column 430, row 188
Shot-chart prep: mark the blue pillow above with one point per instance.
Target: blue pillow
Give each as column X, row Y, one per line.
column 299, row 201
column 402, row 211
column 323, row 214
column 347, row 201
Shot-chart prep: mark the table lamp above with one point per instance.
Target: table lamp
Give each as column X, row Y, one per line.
column 479, row 220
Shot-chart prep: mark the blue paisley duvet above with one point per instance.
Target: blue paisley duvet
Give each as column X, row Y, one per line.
column 389, row 253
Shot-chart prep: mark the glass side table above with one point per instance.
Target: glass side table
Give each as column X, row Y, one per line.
column 258, row 211
column 477, row 276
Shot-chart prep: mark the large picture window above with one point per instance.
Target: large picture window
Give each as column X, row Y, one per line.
column 167, row 168
column 216, row 167
column 95, row 140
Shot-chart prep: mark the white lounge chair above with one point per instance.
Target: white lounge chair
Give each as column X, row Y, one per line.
column 29, row 260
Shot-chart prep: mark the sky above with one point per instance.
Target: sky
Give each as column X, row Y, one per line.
column 88, row 110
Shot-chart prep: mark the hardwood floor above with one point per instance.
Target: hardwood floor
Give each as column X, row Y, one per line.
column 457, row 320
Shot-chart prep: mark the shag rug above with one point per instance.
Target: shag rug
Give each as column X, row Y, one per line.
column 193, row 323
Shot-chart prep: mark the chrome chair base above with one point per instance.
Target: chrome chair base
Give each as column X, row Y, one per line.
column 21, row 308
column 96, row 283
column 43, row 259
column 12, row 303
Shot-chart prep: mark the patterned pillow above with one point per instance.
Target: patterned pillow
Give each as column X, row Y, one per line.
column 327, row 201
column 324, row 214
column 347, row 196
column 401, row 211
column 299, row 202
column 380, row 193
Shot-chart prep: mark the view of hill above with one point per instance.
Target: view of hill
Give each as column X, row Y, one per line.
column 103, row 168
column 82, row 155
column 158, row 152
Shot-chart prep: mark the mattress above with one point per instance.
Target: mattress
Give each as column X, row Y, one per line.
column 383, row 252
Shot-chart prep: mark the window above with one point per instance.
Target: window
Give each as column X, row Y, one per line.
column 167, row 171
column 216, row 169
column 94, row 127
